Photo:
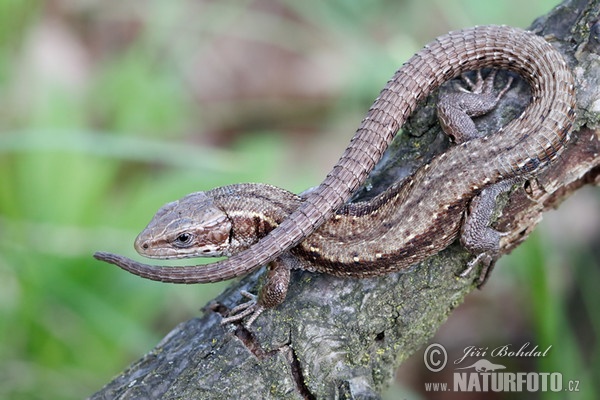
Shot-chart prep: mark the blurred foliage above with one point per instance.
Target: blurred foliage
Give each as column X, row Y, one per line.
column 110, row 109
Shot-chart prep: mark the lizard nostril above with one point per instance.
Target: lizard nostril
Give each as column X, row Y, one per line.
column 145, row 246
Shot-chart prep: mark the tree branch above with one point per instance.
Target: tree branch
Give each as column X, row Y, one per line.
column 344, row 338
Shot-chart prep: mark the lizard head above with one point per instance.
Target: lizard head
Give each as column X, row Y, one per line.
column 192, row 226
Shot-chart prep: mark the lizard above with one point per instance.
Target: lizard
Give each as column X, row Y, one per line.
column 412, row 220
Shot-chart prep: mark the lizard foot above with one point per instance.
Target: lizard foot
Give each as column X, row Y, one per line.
column 456, row 108
column 240, row 312
column 484, row 86
column 487, row 260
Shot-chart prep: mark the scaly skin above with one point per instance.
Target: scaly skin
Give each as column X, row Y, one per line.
column 434, row 193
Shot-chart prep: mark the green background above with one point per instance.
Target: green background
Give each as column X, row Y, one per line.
column 110, row 109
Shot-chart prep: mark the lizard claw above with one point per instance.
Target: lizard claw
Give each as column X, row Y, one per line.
column 484, row 86
column 487, row 260
column 241, row 311
column 480, row 85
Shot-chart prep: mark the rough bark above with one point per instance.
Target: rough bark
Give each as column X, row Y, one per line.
column 344, row 338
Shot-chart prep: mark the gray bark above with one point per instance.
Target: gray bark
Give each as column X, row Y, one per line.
column 344, row 338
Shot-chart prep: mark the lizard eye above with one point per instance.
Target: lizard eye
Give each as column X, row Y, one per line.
column 183, row 240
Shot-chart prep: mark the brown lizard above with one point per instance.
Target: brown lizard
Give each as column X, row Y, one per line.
column 407, row 223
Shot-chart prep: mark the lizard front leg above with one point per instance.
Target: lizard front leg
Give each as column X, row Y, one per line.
column 271, row 294
column 455, row 112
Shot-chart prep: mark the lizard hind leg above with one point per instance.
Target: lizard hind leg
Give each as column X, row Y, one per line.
column 476, row 235
column 455, row 109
